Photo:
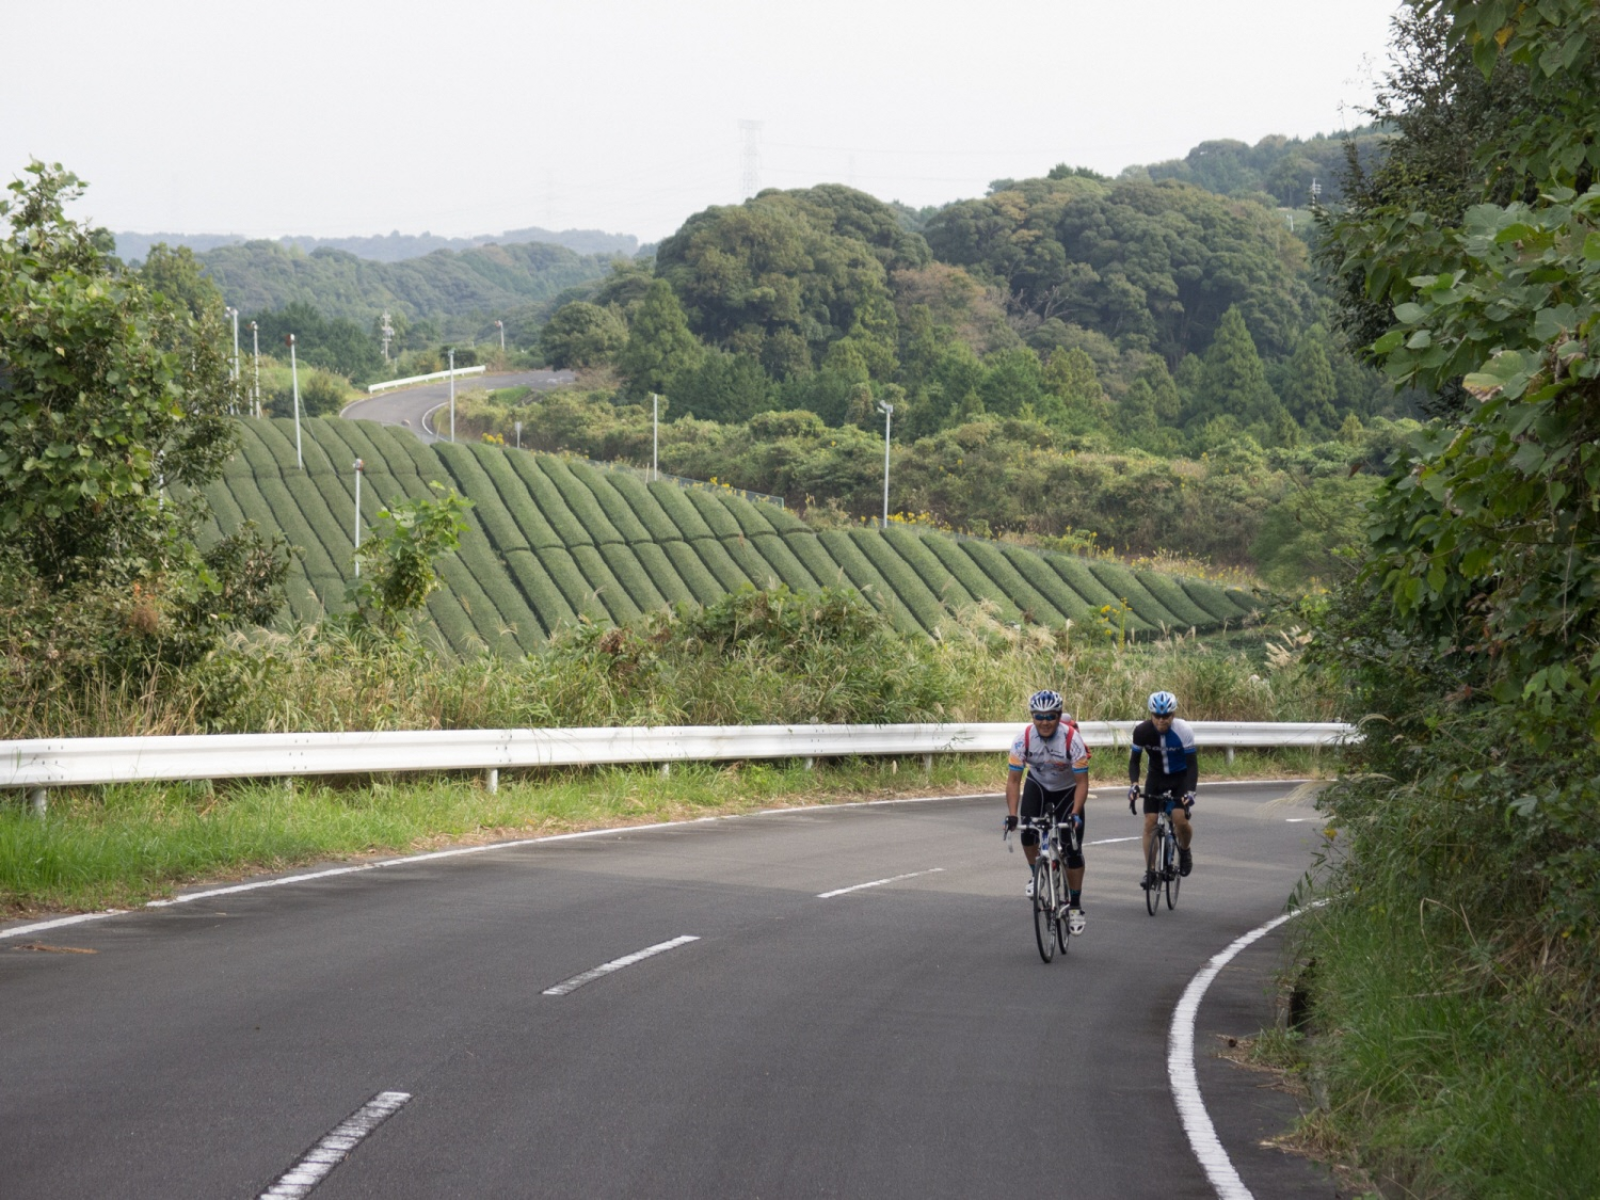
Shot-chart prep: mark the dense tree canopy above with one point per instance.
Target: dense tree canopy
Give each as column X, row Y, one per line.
column 114, row 402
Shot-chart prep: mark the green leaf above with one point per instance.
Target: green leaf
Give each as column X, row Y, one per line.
column 1392, row 340
column 1409, row 313
column 1484, row 55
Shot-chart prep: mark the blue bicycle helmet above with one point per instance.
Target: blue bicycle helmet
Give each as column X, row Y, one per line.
column 1044, row 702
column 1162, row 704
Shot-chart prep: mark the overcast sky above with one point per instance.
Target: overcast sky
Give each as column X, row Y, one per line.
column 349, row 117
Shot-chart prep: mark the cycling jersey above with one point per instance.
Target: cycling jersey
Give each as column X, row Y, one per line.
column 1056, row 762
column 1174, row 763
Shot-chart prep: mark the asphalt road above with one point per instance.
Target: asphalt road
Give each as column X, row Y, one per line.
column 409, row 406
column 900, row 1040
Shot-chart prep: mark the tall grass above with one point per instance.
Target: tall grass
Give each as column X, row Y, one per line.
column 753, row 658
column 1449, row 1070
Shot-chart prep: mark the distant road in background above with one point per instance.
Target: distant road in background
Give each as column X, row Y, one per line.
column 408, row 407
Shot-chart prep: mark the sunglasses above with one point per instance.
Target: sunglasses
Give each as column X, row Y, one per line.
column 1054, row 716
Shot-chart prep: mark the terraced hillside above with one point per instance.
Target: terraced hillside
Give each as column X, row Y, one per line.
column 551, row 539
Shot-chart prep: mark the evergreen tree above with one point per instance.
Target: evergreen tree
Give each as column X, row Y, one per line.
column 1310, row 392
column 1234, row 382
column 660, row 344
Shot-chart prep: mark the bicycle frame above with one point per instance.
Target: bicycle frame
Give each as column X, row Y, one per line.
column 1161, row 857
column 1050, row 894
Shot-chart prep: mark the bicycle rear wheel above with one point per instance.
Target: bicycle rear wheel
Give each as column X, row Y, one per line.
column 1170, row 870
column 1152, row 873
column 1044, row 911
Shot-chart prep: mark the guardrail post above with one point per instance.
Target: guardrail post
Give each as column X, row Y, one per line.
column 38, row 801
column 491, row 780
column 927, row 764
column 808, row 763
column 1228, row 750
column 666, row 769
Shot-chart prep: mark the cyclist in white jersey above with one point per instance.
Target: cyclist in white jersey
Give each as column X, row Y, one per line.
column 1049, row 766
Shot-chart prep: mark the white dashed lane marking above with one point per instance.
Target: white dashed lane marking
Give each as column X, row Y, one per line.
column 856, row 887
column 332, row 1150
column 616, row 964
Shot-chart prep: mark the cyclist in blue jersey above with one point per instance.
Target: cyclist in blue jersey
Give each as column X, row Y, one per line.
column 1174, row 771
column 1051, row 754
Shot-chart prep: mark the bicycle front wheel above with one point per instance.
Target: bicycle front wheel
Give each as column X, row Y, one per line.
column 1062, row 910
column 1044, row 911
column 1170, row 871
column 1152, row 873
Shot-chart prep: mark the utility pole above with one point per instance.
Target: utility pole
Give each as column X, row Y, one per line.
column 386, row 332
column 501, row 326
column 255, row 346
column 452, row 395
column 655, row 436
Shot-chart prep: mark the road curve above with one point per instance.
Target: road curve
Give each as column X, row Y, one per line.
column 409, row 406
column 749, row 1020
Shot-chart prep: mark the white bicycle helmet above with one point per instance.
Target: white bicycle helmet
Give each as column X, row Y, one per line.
column 1045, row 702
column 1162, row 704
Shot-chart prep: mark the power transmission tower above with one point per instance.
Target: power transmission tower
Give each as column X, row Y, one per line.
column 386, row 331
column 751, row 183
column 1316, row 190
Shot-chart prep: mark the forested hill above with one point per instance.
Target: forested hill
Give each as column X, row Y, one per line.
column 492, row 280
column 393, row 247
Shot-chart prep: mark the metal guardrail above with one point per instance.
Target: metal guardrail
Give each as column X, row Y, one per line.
column 374, row 388
column 44, row 763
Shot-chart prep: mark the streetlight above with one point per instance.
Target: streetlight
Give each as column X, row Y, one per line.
column 234, row 313
column 888, row 415
column 294, row 378
column 452, row 395
column 359, row 467
column 255, row 344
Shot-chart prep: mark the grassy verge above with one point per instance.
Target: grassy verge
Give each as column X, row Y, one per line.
column 1433, row 1076
column 113, row 847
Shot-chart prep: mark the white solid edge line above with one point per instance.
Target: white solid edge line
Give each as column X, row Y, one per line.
column 1197, row 1124
column 1108, row 841
column 316, row 1164
column 616, row 964
column 856, row 887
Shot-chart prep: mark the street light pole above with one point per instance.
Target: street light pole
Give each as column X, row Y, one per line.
column 294, row 379
column 255, row 344
column 888, row 415
column 359, row 467
column 655, row 436
column 452, row 395
column 519, row 435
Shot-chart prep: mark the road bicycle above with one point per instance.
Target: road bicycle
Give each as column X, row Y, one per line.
column 1051, row 910
column 1161, row 873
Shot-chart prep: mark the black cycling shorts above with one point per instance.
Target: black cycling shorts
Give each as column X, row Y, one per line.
column 1034, row 800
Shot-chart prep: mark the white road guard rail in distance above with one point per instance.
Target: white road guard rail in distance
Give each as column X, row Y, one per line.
column 44, row 762
column 374, row 388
